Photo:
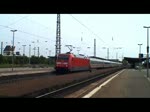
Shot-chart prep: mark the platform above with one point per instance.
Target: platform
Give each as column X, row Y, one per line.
column 130, row 83
column 23, row 71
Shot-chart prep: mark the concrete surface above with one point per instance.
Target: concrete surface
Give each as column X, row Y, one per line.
column 129, row 84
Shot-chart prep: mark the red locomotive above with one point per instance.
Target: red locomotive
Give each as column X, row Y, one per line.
column 71, row 62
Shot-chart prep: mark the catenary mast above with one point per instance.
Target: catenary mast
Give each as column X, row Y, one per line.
column 58, row 37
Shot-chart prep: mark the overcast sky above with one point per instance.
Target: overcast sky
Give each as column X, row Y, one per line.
column 80, row 30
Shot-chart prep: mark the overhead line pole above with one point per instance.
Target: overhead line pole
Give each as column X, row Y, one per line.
column 95, row 47
column 58, row 37
column 147, row 49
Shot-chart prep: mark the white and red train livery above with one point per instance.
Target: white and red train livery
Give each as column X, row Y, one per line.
column 71, row 62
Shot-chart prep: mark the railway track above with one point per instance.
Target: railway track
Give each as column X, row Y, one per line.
column 28, row 76
column 61, row 92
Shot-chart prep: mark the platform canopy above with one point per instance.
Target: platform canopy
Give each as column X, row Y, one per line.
column 133, row 61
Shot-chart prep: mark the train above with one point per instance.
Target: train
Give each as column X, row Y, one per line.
column 69, row 62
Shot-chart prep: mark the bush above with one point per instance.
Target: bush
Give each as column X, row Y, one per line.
column 41, row 61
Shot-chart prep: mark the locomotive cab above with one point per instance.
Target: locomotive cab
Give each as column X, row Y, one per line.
column 63, row 62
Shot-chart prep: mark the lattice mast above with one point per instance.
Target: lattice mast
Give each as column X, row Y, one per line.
column 58, row 37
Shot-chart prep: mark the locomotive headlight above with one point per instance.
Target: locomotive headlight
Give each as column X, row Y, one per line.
column 58, row 63
column 65, row 63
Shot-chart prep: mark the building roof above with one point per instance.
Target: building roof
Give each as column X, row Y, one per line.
column 9, row 48
column 134, row 60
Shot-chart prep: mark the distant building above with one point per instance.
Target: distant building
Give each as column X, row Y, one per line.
column 8, row 51
column 18, row 53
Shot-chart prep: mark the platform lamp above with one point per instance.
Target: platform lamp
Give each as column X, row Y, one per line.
column 107, row 52
column 13, row 48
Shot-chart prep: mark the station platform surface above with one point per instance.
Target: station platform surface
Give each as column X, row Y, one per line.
column 23, row 71
column 131, row 83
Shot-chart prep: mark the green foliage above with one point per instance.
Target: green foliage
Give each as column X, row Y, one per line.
column 34, row 60
column 1, row 59
column 6, row 61
column 125, row 62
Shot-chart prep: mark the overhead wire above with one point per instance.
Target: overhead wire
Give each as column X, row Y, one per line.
column 108, row 45
column 27, row 33
column 15, row 21
column 85, row 43
column 87, row 28
column 33, row 21
column 46, row 27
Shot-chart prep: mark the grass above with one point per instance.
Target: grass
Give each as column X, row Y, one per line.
column 5, row 65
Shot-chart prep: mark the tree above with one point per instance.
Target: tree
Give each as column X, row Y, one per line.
column 1, row 59
column 125, row 62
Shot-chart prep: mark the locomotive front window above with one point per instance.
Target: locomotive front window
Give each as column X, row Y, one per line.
column 63, row 57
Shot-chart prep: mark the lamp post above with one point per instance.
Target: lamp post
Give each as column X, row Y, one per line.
column 13, row 48
column 29, row 53
column 140, row 55
column 46, row 51
column 117, row 52
column 18, row 47
column 147, row 49
column 23, row 52
column 49, row 56
column 49, row 53
column 88, row 48
column 107, row 52
column 46, row 48
column 34, row 47
column 140, row 48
